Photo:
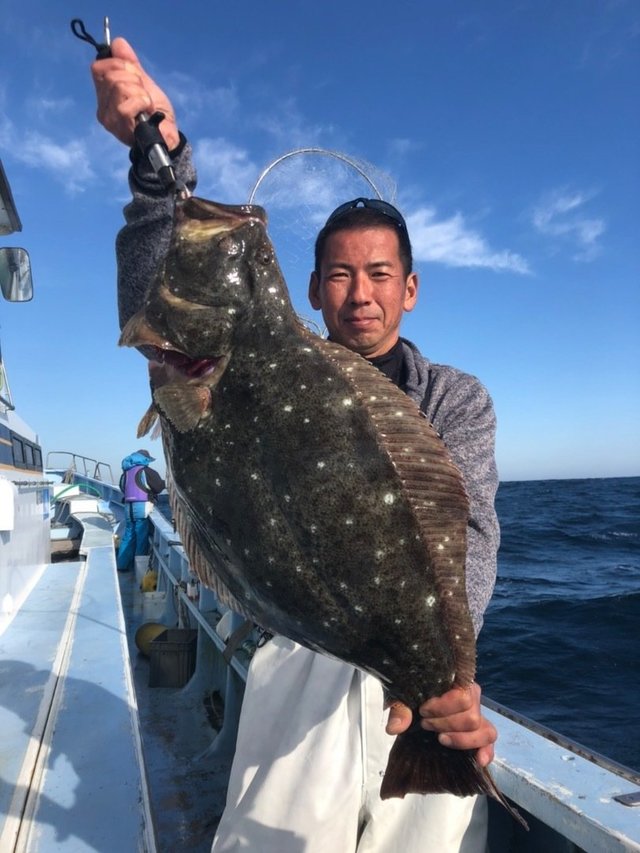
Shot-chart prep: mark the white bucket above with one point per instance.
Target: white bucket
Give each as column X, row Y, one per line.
column 153, row 604
column 142, row 564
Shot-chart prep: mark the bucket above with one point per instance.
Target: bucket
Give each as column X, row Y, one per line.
column 173, row 657
column 153, row 604
column 142, row 564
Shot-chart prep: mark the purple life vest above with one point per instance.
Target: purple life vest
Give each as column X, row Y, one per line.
column 132, row 491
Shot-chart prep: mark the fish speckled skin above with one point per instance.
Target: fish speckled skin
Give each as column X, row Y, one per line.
column 306, row 483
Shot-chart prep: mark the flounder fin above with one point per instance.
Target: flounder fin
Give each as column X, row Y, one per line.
column 149, row 421
column 419, row 764
column 184, row 405
column 197, row 561
column 431, row 484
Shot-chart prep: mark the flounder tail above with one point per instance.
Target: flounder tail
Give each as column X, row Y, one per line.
column 419, row 764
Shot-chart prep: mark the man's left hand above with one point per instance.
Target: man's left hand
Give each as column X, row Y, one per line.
column 456, row 716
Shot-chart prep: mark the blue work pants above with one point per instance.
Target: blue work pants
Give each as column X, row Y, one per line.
column 135, row 539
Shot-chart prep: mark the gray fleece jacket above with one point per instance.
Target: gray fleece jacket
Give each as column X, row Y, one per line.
column 455, row 403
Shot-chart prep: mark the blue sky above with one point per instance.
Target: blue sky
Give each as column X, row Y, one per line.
column 507, row 132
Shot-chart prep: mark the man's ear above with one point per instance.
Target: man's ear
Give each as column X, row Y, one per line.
column 411, row 292
column 314, row 291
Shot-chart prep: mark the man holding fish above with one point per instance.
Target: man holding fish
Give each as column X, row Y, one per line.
column 312, row 744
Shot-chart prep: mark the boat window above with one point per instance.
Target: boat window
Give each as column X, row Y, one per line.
column 18, row 451
column 28, row 455
column 37, row 457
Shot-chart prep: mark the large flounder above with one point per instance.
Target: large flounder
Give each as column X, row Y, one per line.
column 306, row 484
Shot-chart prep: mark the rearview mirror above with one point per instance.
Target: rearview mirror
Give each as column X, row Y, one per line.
column 15, row 275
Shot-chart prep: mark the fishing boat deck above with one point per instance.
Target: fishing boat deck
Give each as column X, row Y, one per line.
column 71, row 761
column 92, row 758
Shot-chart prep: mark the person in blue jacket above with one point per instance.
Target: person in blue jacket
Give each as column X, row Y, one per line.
column 140, row 486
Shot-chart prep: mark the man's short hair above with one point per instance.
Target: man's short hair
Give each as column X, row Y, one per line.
column 366, row 213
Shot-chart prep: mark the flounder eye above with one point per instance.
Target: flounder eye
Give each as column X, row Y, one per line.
column 265, row 255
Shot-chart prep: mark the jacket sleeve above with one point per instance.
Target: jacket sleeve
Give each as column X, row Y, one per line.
column 144, row 240
column 154, row 481
column 463, row 415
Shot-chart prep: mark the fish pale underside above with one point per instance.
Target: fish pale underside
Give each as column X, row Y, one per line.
column 309, row 491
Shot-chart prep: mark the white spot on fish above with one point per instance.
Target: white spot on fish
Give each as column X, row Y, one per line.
column 272, row 522
column 306, row 421
column 271, row 561
column 343, row 585
column 303, row 387
column 218, row 483
column 273, row 365
column 347, row 402
column 440, row 546
column 273, row 290
column 389, row 498
column 399, row 414
column 377, row 580
column 398, row 621
column 415, row 647
column 288, row 408
column 430, row 601
column 307, row 349
column 231, row 310
column 287, row 498
column 322, row 464
column 357, row 608
column 227, row 426
column 254, row 476
column 298, row 569
column 380, row 554
column 348, row 522
column 314, row 528
column 252, row 355
column 373, row 398
column 246, row 552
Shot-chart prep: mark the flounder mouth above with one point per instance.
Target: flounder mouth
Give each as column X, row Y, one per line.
column 190, row 368
column 203, row 219
column 137, row 333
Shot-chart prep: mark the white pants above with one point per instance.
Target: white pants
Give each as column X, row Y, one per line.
column 308, row 766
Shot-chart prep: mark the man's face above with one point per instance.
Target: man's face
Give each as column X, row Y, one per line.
column 362, row 290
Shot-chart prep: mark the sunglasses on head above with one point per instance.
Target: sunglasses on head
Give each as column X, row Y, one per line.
column 373, row 204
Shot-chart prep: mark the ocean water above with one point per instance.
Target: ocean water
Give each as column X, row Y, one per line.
column 561, row 640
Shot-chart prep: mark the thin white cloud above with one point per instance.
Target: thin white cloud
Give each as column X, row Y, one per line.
column 68, row 163
column 44, row 107
column 401, row 146
column 191, row 100
column 560, row 214
column 225, row 171
column 288, row 127
column 451, row 242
